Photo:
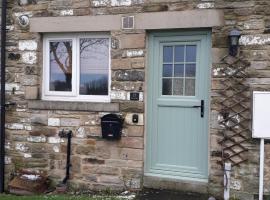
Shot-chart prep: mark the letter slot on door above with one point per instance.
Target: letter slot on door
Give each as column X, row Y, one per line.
column 111, row 126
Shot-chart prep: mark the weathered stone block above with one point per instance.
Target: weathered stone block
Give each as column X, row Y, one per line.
column 31, row 93
column 132, row 41
column 132, row 106
column 69, row 122
column 128, row 75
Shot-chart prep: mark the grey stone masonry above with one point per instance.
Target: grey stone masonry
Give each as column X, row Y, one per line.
column 32, row 125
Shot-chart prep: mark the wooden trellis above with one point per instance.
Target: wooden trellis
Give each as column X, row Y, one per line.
column 234, row 107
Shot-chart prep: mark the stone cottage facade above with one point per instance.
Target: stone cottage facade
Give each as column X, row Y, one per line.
column 122, row 32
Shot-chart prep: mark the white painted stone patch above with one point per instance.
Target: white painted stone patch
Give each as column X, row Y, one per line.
column 56, row 149
column 235, row 184
column 206, row 5
column 118, row 95
column 15, row 126
column 121, row 2
column 27, row 155
column 134, row 53
column 53, row 122
column 100, row 3
column 80, row 133
column 10, row 86
column 254, row 39
column 66, row 12
column 7, row 160
column 55, row 140
column 29, row 45
column 21, row 147
column 36, row 139
column 29, row 57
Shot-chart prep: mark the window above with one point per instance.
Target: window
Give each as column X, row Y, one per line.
column 76, row 67
column 179, row 70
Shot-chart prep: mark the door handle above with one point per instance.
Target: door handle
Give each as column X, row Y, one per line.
column 202, row 108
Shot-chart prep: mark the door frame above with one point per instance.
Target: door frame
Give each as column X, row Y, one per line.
column 149, row 62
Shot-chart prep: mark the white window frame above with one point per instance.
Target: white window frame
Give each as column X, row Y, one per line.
column 74, row 95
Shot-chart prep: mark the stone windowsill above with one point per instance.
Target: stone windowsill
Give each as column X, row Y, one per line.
column 73, row 106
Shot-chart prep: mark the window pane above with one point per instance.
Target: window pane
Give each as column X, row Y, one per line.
column 178, row 70
column 167, row 54
column 167, row 70
column 60, row 65
column 178, row 86
column 190, row 70
column 94, row 66
column 191, row 53
column 167, row 86
column 190, row 87
column 179, row 53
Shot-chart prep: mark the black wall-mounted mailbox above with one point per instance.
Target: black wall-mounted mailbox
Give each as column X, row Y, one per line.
column 111, row 126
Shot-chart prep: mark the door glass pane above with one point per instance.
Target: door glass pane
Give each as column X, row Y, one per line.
column 94, row 66
column 179, row 52
column 178, row 86
column 167, row 70
column 167, row 54
column 178, row 70
column 60, row 65
column 189, row 87
column 191, row 53
column 190, row 70
column 167, row 86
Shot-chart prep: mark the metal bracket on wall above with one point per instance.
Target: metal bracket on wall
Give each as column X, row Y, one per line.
column 234, row 107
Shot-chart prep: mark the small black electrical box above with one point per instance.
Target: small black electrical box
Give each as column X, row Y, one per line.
column 134, row 96
column 111, row 126
column 135, row 118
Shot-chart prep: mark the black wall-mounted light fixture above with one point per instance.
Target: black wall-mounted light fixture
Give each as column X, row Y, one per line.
column 234, row 41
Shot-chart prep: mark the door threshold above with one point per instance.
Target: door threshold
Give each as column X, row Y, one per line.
column 170, row 183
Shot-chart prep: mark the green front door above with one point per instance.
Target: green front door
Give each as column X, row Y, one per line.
column 178, row 105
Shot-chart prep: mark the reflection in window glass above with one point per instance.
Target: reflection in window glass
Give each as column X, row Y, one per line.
column 167, row 70
column 94, row 66
column 167, row 54
column 179, row 53
column 167, row 86
column 190, row 53
column 60, row 65
column 190, row 70
column 190, row 87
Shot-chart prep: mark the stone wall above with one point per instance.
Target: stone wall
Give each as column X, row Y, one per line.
column 32, row 141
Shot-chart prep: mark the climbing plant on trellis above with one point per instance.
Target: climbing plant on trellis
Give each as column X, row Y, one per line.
column 234, row 105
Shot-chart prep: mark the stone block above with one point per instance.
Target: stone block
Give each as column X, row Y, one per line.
column 132, row 142
column 121, row 63
column 70, row 122
column 131, row 154
column 132, row 106
column 31, row 93
column 53, row 122
column 132, row 41
column 134, row 131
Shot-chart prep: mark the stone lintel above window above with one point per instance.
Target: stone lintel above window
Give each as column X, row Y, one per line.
column 206, row 18
column 73, row 106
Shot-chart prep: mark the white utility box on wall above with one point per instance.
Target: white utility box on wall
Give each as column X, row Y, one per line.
column 261, row 127
column 261, row 115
